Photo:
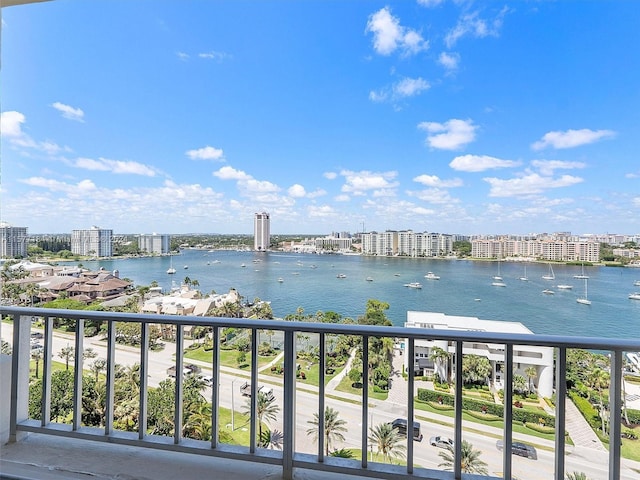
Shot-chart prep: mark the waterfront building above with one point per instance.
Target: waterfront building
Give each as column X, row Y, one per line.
column 407, row 243
column 155, row 243
column 334, row 243
column 261, row 231
column 545, row 248
column 524, row 356
column 94, row 242
column 13, row 241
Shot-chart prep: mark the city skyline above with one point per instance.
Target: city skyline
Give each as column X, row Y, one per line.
column 428, row 115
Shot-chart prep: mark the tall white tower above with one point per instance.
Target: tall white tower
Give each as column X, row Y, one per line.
column 261, row 232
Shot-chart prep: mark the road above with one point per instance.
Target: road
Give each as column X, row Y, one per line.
column 593, row 463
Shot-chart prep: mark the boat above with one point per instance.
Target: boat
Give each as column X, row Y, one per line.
column 550, row 275
column 216, row 261
column 243, row 265
column 582, row 275
column 171, row 270
column 432, row 276
column 548, row 292
column 585, row 300
column 186, row 267
column 396, row 274
column 341, row 275
column 498, row 277
column 280, row 279
column 636, row 283
column 498, row 284
column 369, row 279
column 634, row 296
column 524, row 277
column 413, row 285
column 564, row 287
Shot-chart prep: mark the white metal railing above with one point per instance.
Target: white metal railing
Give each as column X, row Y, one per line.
column 288, row 458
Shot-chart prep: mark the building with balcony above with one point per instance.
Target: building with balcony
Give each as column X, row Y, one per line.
column 261, row 232
column 93, row 242
column 155, row 243
column 13, row 241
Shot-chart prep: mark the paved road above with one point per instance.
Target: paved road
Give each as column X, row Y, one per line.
column 590, row 461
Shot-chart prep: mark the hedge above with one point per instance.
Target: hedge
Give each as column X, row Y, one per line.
column 634, row 416
column 588, row 411
column 471, row 404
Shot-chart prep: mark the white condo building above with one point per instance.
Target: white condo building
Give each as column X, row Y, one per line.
column 407, row 243
column 95, row 242
column 154, row 243
column 261, row 232
column 13, row 241
column 524, row 356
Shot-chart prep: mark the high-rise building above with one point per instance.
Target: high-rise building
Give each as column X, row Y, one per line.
column 95, row 242
column 13, row 241
column 154, row 243
column 261, row 231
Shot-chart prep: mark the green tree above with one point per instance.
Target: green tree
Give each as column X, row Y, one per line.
column 266, row 410
column 531, row 372
column 519, row 384
column 576, row 476
column 388, row 441
column 67, row 354
column 440, row 357
column 271, row 439
column 333, row 428
column 475, row 368
column 36, row 356
column 470, row 459
column 99, row 365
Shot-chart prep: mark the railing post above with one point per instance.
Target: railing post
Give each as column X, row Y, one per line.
column 77, row 374
column 365, row 399
column 615, row 414
column 215, row 388
column 253, row 427
column 561, row 408
column 19, row 375
column 289, row 410
column 410, row 409
column 144, row 373
column 45, row 414
column 508, row 410
column 177, row 414
column 321, row 406
column 457, row 444
column 111, row 377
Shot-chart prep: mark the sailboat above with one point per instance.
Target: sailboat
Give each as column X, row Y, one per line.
column 550, row 275
column 498, row 277
column 524, row 277
column 171, row 270
column 585, row 300
column 582, row 275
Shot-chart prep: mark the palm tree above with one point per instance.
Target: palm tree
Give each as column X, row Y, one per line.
column 388, row 441
column 198, row 424
column 36, row 356
column 519, row 383
column 531, row 372
column 266, row 410
column 470, row 459
column 271, row 439
column 67, row 353
column 441, row 358
column 98, row 366
column 333, row 428
column 577, row 476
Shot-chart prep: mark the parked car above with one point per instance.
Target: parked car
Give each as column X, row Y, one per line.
column 521, row 449
column 442, row 442
column 207, row 379
column 36, row 347
column 401, row 425
column 37, row 335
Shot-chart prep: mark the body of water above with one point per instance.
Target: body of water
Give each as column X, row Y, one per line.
column 465, row 287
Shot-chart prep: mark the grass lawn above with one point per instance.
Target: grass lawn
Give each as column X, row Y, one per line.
column 631, row 448
column 54, row 367
column 228, row 358
column 240, row 434
column 345, row 386
column 311, row 372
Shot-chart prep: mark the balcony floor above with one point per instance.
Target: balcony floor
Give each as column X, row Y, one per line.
column 44, row 457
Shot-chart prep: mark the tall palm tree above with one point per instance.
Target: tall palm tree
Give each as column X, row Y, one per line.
column 470, row 459
column 67, row 353
column 198, row 423
column 531, row 372
column 388, row 441
column 333, row 428
column 266, row 410
column 271, row 439
column 36, row 356
column 440, row 357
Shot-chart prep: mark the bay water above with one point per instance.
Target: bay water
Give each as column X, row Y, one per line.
column 308, row 281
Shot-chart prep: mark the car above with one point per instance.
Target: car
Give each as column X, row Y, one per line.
column 442, row 442
column 207, row 379
column 400, row 424
column 36, row 347
column 520, row 449
column 37, row 335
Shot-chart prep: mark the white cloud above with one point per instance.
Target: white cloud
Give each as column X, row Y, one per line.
column 317, row 193
column 389, row 35
column 449, row 61
column 632, row 175
column 247, row 185
column 230, row 173
column 571, row 138
column 321, row 211
column 330, row 175
column 114, row 166
column 451, row 135
column 11, row 124
column 636, row 201
column 296, row 191
column 547, row 167
column 435, row 181
column 213, row 55
column 480, row 163
column 408, row 87
column 57, row 186
column 342, row 198
column 206, row 153
column 430, row 3
column 182, row 56
column 69, row 112
column 471, row 24
column 435, row 196
column 357, row 183
column 528, row 185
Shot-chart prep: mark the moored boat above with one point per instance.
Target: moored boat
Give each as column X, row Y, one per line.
column 634, row 296
column 432, row 276
column 413, row 285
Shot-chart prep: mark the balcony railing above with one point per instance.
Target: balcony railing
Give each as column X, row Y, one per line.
column 288, row 457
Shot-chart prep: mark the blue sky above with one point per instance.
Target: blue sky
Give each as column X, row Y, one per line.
column 431, row 115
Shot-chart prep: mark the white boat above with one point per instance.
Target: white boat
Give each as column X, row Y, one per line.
column 186, row 266
column 524, row 277
column 550, row 275
column 280, row 279
column 369, row 279
column 498, row 276
column 548, row 292
column 243, row 265
column 582, row 275
column 636, row 283
column 216, row 261
column 171, row 270
column 432, row 276
column 499, row 284
column 564, row 287
column 413, row 285
column 634, row 296
column 341, row 275
column 585, row 300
